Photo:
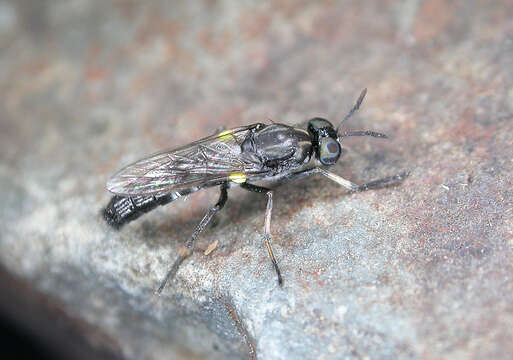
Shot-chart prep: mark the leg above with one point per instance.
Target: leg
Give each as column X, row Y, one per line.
column 384, row 182
column 267, row 226
column 348, row 184
column 186, row 251
column 338, row 179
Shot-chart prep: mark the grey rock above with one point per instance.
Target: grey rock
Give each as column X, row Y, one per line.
column 421, row 270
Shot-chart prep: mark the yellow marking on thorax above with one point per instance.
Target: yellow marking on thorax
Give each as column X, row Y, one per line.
column 237, row 177
column 225, row 135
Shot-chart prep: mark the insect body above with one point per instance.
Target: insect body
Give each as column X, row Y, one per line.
column 240, row 156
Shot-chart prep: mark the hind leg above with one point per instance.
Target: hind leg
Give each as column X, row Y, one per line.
column 186, row 250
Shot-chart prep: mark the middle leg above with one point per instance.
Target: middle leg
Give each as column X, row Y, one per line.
column 267, row 226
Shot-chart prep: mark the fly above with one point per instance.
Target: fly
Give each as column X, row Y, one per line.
column 239, row 156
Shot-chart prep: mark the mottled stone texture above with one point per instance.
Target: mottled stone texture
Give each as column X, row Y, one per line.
column 419, row 271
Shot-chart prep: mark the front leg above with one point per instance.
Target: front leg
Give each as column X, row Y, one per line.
column 376, row 184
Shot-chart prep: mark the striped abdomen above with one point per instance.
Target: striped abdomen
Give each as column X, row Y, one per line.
column 121, row 210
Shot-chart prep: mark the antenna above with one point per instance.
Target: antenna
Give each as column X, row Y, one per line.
column 363, row 133
column 355, row 107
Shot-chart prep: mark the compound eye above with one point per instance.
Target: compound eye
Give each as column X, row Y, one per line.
column 329, row 151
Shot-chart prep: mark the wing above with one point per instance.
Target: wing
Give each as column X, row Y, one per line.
column 212, row 159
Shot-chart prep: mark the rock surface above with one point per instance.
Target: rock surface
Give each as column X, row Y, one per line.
column 422, row 270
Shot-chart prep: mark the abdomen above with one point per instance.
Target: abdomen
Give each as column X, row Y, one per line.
column 123, row 209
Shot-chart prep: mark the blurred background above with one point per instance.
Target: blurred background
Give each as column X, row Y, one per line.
column 422, row 270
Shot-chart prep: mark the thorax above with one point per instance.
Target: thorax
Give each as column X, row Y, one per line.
column 278, row 146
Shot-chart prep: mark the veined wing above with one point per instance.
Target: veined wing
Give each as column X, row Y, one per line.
column 211, row 159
